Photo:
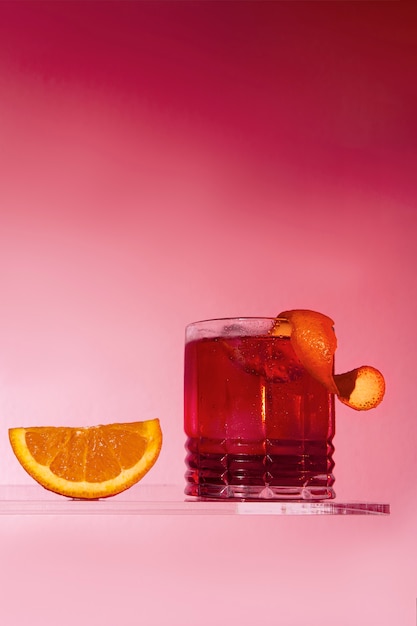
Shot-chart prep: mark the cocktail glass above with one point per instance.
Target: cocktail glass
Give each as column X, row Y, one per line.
column 258, row 425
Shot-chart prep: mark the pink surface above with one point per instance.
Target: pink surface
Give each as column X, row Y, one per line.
column 167, row 162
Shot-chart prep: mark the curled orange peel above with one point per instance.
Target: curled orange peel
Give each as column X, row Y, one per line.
column 314, row 342
column 363, row 388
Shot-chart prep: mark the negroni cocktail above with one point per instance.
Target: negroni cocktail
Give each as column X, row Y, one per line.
column 258, row 425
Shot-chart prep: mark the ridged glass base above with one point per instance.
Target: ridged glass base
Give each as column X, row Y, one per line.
column 285, row 470
column 239, row 492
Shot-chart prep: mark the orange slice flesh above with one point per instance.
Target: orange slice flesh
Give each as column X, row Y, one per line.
column 90, row 462
column 314, row 342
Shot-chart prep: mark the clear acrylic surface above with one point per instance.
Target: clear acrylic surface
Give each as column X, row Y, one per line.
column 166, row 500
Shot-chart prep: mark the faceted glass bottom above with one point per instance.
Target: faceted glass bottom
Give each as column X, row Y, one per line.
column 253, row 492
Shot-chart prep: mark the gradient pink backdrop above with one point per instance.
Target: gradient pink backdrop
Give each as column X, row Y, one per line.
column 167, row 162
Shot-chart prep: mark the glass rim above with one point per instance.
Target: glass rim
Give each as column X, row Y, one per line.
column 244, row 318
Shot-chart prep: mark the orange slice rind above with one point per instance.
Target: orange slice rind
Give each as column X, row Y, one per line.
column 362, row 388
column 89, row 462
column 314, row 342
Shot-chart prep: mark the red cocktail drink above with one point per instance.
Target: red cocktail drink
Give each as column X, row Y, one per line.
column 257, row 424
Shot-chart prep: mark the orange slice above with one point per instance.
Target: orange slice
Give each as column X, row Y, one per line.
column 91, row 462
column 314, row 342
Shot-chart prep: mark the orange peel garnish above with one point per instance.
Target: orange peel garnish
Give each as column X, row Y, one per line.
column 362, row 388
column 314, row 342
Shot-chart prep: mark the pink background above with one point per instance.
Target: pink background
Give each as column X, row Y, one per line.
column 167, row 162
